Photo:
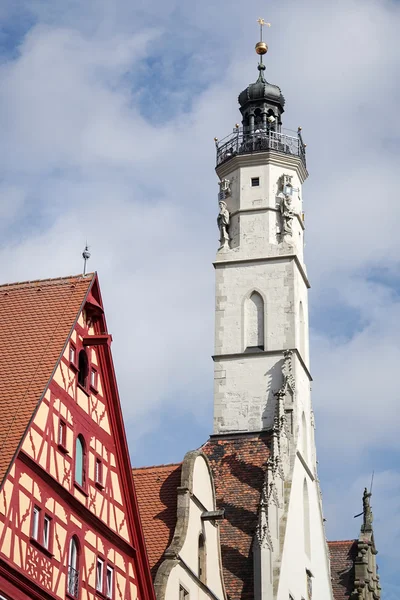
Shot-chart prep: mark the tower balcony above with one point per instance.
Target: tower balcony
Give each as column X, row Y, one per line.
column 242, row 141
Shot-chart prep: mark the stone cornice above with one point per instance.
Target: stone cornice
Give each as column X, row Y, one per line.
column 220, row 263
column 264, row 158
column 218, row 357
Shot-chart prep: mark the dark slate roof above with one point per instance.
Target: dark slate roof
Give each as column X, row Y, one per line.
column 343, row 554
column 238, row 465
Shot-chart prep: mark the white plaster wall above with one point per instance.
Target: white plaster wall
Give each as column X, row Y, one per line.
column 295, row 561
column 244, row 392
column 275, row 281
column 244, row 385
column 255, row 219
column 201, row 499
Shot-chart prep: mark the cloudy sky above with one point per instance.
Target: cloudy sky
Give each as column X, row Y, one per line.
column 108, row 109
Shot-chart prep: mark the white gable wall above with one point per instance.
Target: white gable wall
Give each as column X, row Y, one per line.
column 196, row 498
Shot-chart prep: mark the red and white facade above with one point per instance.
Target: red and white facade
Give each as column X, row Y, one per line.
column 69, row 524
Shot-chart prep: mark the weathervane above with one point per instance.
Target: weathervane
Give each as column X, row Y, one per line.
column 85, row 256
column 261, row 46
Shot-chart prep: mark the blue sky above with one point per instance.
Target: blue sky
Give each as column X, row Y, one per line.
column 108, row 110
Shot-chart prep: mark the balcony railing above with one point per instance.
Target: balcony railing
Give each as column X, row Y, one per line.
column 73, row 582
column 245, row 142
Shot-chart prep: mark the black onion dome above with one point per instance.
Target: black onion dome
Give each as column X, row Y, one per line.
column 261, row 90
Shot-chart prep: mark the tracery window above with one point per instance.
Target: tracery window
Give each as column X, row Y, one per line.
column 73, row 568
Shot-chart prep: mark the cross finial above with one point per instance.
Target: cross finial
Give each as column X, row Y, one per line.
column 262, row 23
column 261, row 46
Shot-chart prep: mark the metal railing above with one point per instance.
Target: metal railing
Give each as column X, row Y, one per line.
column 241, row 141
column 73, row 582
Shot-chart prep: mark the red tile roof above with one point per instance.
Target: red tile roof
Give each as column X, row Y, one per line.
column 238, row 465
column 36, row 318
column 156, row 489
column 343, row 554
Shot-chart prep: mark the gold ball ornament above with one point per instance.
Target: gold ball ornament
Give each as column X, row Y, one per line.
column 261, row 48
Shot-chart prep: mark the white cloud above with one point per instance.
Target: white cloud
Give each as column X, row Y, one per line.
column 80, row 160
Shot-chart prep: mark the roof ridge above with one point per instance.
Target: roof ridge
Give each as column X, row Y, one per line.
column 48, row 280
column 342, row 541
column 156, row 466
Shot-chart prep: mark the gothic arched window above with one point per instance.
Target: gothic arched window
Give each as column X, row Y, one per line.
column 254, row 321
column 83, row 368
column 202, row 558
column 302, row 332
column 80, row 456
column 73, row 568
column 304, row 437
column 306, row 520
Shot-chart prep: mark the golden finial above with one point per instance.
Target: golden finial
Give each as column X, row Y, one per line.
column 261, row 46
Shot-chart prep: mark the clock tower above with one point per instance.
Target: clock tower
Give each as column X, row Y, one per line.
column 262, row 449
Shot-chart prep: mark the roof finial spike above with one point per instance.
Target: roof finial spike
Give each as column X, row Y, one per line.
column 85, row 256
column 261, row 46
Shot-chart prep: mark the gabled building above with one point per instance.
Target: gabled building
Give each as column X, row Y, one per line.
column 69, row 522
column 180, row 522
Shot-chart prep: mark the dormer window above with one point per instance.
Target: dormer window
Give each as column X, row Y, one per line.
column 83, row 368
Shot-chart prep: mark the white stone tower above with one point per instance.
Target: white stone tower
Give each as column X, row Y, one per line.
column 262, row 373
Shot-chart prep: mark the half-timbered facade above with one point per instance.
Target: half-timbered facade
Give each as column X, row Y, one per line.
column 69, row 524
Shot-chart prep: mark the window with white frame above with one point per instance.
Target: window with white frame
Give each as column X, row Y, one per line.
column 46, row 531
column 99, row 574
column 35, row 522
column 93, row 378
column 109, row 582
column 62, row 433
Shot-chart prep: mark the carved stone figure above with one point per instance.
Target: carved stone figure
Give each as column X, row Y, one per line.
column 287, row 214
column 223, row 224
column 367, row 512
